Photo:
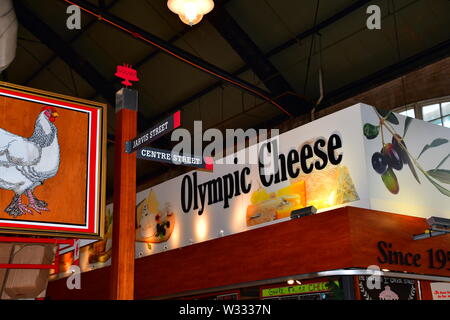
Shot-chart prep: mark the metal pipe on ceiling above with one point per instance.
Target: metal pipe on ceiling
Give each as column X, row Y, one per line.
column 72, row 40
column 8, row 34
column 178, row 53
column 297, row 39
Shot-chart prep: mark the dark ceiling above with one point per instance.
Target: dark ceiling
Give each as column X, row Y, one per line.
column 275, row 47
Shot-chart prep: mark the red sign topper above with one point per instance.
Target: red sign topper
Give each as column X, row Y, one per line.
column 127, row 73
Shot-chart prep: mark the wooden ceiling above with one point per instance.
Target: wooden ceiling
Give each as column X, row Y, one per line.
column 277, row 46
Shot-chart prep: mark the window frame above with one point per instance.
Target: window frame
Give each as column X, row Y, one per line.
column 418, row 107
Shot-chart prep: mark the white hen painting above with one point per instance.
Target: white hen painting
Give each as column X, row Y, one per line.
column 27, row 162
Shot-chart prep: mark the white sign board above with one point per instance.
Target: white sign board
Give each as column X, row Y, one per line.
column 326, row 163
column 440, row 290
column 352, row 157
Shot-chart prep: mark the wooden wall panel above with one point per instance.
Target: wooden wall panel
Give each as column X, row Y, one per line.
column 342, row 238
column 425, row 288
column 95, row 285
column 283, row 249
column 369, row 227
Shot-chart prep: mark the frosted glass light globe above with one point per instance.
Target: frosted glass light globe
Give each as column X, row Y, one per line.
column 191, row 12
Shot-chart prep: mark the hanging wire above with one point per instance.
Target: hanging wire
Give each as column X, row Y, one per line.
column 143, row 38
column 243, row 102
column 173, row 28
column 222, row 103
column 47, row 68
column 292, row 65
column 285, row 25
column 200, row 108
column 308, row 66
column 73, row 82
column 320, row 70
column 399, row 56
column 319, row 101
column 255, row 82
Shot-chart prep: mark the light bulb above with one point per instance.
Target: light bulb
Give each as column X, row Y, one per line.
column 191, row 12
column 191, row 20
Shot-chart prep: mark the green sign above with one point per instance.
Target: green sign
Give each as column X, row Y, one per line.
column 297, row 289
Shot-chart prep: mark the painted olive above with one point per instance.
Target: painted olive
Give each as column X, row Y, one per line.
column 390, row 181
column 393, row 158
column 401, row 151
column 371, row 131
column 379, row 163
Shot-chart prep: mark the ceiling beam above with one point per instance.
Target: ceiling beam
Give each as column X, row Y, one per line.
column 176, row 52
column 392, row 72
column 171, row 40
column 301, row 36
column 322, row 25
column 76, row 37
column 249, row 52
column 63, row 49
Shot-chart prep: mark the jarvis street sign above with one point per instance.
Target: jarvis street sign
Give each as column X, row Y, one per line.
column 154, row 133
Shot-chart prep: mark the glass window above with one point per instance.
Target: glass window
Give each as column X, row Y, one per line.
column 446, row 109
column 447, row 121
column 437, row 112
column 438, row 122
column 431, row 112
column 409, row 113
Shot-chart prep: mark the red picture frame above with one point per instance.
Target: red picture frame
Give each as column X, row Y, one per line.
column 92, row 200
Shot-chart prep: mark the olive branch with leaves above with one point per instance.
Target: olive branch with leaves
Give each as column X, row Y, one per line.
column 387, row 119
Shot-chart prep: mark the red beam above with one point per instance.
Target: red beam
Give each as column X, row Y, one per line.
column 36, row 240
column 27, row 266
column 122, row 261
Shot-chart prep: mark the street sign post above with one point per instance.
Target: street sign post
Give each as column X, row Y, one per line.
column 167, row 156
column 154, row 133
column 128, row 74
column 122, row 264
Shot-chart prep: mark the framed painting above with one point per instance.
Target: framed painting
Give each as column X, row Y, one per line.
column 52, row 164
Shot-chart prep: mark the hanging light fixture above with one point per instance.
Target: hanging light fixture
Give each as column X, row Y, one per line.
column 191, row 12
